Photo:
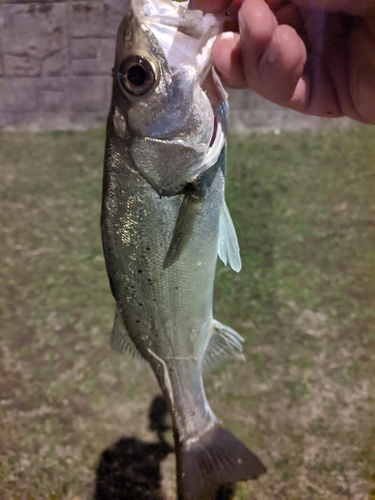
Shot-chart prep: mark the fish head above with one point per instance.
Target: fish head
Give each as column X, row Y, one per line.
column 167, row 105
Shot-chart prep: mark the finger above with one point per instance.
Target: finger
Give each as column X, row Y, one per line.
column 226, row 56
column 323, row 88
column 257, row 24
column 282, row 66
column 273, row 56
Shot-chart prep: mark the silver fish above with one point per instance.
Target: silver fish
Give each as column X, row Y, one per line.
column 164, row 221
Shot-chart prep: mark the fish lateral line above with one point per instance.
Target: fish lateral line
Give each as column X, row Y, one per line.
column 167, row 379
column 182, row 358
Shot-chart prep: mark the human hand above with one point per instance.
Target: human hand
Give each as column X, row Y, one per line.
column 314, row 56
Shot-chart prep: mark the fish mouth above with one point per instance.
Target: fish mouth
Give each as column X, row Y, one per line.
column 185, row 36
column 170, row 18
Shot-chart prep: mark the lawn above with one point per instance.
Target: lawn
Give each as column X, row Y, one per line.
column 303, row 206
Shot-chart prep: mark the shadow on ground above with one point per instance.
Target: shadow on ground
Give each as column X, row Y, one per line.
column 130, row 468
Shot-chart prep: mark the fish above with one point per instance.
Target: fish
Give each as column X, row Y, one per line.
column 164, row 221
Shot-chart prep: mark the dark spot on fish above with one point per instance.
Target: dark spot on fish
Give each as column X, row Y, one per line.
column 170, row 370
column 140, row 304
column 176, row 287
column 139, row 270
column 148, row 249
column 137, row 320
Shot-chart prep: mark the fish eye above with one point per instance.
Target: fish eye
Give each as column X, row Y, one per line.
column 136, row 76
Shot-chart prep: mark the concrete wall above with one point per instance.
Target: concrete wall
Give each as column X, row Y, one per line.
column 55, row 62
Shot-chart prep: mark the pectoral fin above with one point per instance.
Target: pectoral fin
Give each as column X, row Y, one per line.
column 228, row 250
column 120, row 340
column 189, row 211
column 224, row 343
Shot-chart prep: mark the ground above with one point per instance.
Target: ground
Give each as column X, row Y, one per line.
column 303, row 207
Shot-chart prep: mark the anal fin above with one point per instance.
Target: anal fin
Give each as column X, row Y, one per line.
column 224, row 343
column 120, row 339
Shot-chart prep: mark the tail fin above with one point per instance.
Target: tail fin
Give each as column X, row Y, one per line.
column 215, row 460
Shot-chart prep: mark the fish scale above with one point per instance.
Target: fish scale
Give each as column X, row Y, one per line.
column 164, row 221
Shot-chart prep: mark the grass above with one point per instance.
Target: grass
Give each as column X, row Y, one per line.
column 303, row 207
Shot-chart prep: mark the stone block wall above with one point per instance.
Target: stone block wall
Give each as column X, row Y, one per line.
column 55, row 64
